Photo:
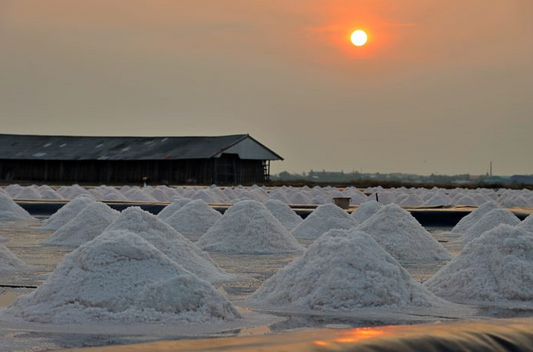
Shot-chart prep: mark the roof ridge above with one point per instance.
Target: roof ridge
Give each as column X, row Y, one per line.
column 78, row 136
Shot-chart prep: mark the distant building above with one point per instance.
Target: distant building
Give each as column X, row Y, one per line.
column 225, row 160
column 522, row 179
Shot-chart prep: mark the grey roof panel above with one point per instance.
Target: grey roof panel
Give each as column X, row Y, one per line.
column 34, row 147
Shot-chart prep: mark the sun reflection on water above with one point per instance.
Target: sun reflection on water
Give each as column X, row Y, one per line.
column 353, row 335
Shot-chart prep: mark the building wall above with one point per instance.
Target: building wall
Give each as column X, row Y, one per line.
column 229, row 169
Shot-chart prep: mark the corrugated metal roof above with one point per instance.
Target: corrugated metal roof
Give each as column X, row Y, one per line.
column 34, row 147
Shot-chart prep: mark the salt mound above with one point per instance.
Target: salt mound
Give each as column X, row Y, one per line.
column 9, row 261
column 437, row 200
column 325, row 217
column 403, row 237
column 285, row 215
column 88, row 224
column 496, row 266
column 194, row 218
column 114, row 196
column 27, row 193
column 206, row 195
column 466, row 201
column 11, row 211
column 138, row 195
column 71, row 192
column 471, row 219
column 170, row 242
column 527, row 224
column 172, row 208
column 412, row 200
column 67, row 213
column 120, row 277
column 12, row 189
column 365, row 211
column 343, row 271
column 49, row 193
column 160, row 195
column 249, row 227
column 279, row 196
column 299, row 198
column 358, row 197
column 489, row 221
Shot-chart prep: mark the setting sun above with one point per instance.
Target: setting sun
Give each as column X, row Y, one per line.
column 359, row 37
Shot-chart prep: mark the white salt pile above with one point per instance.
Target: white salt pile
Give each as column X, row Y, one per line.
column 466, row 201
column 9, row 262
column 325, row 217
column 27, row 193
column 527, row 224
column 13, row 189
column 138, row 195
column 11, row 211
column 67, row 213
column 496, row 266
column 249, row 227
column 121, row 278
column 285, row 215
column 88, row 224
column 437, row 200
column 403, row 237
column 488, row 222
column 207, row 196
column 343, row 271
column 159, row 195
column 194, row 218
column 299, row 198
column 357, row 197
column 365, row 211
column 170, row 242
column 412, row 200
column 49, row 193
column 468, row 221
column 172, row 208
column 279, row 196
column 71, row 192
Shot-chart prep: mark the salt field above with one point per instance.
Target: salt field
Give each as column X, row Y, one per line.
column 91, row 275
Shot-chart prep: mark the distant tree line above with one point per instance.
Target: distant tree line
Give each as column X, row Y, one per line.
column 336, row 176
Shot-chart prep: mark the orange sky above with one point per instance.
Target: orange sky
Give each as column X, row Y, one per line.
column 442, row 86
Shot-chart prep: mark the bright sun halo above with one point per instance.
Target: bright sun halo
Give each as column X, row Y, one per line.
column 359, row 37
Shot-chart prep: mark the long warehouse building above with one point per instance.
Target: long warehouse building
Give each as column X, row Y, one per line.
column 224, row 160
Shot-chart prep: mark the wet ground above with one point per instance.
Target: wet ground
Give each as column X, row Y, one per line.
column 25, row 241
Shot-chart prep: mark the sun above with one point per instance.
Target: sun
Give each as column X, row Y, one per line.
column 359, row 37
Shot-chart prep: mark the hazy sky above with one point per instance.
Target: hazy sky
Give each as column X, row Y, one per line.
column 443, row 86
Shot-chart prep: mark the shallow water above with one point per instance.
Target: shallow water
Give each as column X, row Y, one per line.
column 498, row 336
